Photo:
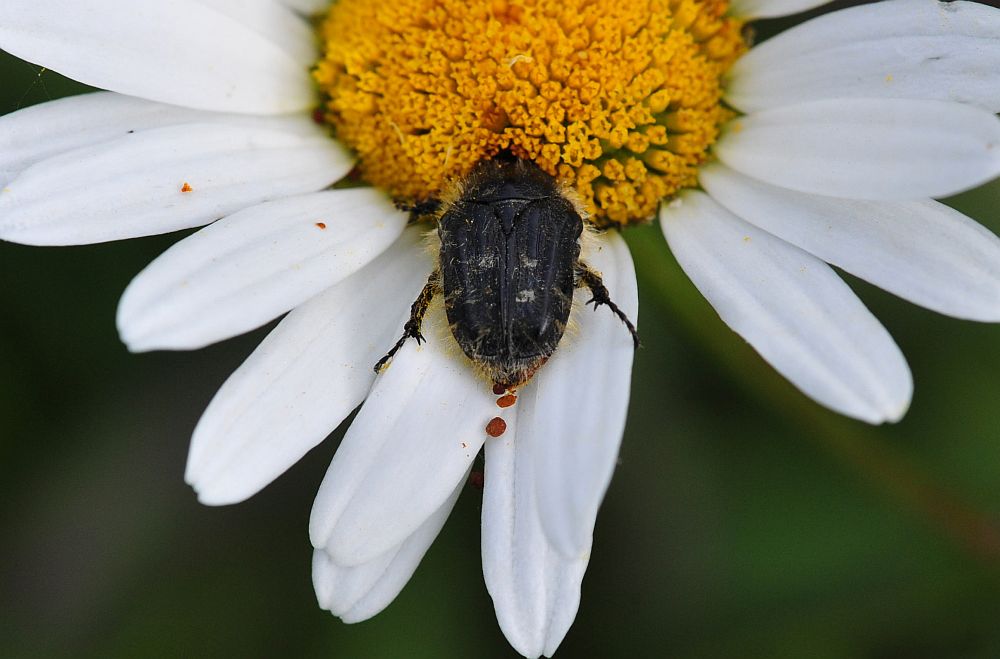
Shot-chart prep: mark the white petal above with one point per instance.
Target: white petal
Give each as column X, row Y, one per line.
column 923, row 251
column 878, row 20
column 181, row 52
column 135, row 185
column 360, row 592
column 414, row 438
column 792, row 308
column 38, row 132
column 887, row 149
column 944, row 55
column 304, row 378
column 574, row 410
column 752, row 9
column 535, row 590
column 307, row 7
column 275, row 22
column 253, row 266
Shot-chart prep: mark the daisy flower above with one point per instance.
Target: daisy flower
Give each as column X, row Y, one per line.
column 765, row 166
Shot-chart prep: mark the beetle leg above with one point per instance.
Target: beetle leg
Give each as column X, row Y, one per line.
column 587, row 277
column 411, row 330
column 419, row 209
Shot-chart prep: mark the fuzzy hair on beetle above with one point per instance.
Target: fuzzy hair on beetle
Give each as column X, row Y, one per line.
column 508, row 264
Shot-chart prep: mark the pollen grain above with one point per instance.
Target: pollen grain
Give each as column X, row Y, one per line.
column 619, row 100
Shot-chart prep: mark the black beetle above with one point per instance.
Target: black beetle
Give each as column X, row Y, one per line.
column 508, row 265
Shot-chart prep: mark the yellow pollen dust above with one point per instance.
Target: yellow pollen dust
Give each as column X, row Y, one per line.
column 619, row 99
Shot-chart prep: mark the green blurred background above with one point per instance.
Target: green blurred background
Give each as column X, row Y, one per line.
column 743, row 521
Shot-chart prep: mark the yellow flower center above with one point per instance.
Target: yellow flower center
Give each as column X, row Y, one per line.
column 619, row 99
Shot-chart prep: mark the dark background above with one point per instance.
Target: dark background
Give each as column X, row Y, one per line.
column 743, row 521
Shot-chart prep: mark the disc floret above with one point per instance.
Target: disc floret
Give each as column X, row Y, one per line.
column 619, row 100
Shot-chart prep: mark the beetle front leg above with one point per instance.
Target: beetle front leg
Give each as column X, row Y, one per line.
column 587, row 277
column 419, row 209
column 411, row 330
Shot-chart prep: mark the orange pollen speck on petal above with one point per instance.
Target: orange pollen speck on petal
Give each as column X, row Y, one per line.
column 506, row 400
column 496, row 427
column 619, row 100
column 187, row 188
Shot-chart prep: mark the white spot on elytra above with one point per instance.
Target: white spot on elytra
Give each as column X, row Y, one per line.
column 526, row 295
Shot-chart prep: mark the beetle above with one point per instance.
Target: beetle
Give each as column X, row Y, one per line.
column 508, row 264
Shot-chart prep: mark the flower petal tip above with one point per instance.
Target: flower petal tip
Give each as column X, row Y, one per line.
column 214, row 499
column 895, row 415
column 126, row 325
column 215, row 492
column 131, row 344
column 355, row 616
column 135, row 342
column 891, row 409
column 138, row 335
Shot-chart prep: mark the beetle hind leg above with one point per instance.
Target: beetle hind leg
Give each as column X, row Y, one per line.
column 411, row 330
column 599, row 292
